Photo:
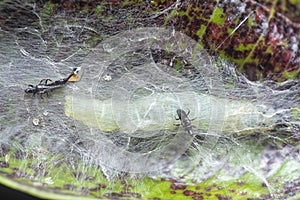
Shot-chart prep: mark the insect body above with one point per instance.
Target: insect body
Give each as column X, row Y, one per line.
column 44, row 87
column 185, row 121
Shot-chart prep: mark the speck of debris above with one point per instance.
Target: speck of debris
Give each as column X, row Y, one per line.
column 187, row 71
column 173, row 180
column 7, row 157
column 194, row 195
column 221, row 197
column 18, row 174
column 78, row 175
column 208, row 194
column 45, row 113
column 4, row 149
column 101, row 185
column 132, row 194
column 188, row 193
column 69, row 187
column 292, row 188
column 84, row 191
column 36, row 122
column 232, row 190
column 95, row 189
column 89, row 178
column 113, row 195
column 49, row 181
column 19, row 154
column 178, row 186
column 208, row 188
column 264, row 185
column 4, row 164
column 98, row 187
column 36, row 168
column 240, row 183
column 198, row 198
column 107, row 78
column 266, row 196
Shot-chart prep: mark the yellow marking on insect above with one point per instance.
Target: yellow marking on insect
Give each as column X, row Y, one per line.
column 76, row 75
column 74, row 78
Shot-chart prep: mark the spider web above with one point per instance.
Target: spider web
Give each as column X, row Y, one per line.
column 127, row 123
column 134, row 112
column 141, row 96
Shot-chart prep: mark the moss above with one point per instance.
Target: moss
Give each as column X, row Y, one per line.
column 99, row 9
column 290, row 75
column 269, row 50
column 86, row 9
column 243, row 47
column 218, row 16
column 251, row 22
column 154, row 3
column 48, row 10
column 246, row 185
column 295, row 2
column 3, row 3
column 295, row 112
column 131, row 2
column 201, row 31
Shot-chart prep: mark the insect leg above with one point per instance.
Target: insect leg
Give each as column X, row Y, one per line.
column 188, row 112
column 46, row 82
column 177, row 125
column 42, row 82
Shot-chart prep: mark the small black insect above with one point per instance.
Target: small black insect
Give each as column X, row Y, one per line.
column 185, row 121
column 47, row 85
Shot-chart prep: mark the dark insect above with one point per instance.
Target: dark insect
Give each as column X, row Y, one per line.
column 185, row 121
column 47, row 85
